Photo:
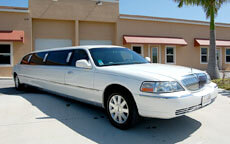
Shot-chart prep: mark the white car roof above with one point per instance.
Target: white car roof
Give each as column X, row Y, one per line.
column 80, row 47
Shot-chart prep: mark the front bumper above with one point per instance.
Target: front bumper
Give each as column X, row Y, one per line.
column 170, row 105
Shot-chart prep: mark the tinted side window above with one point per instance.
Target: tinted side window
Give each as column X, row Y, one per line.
column 57, row 57
column 37, row 58
column 25, row 59
column 78, row 55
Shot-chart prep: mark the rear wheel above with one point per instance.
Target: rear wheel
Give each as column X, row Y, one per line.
column 18, row 85
column 121, row 110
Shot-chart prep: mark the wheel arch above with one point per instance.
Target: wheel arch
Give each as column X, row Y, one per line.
column 115, row 87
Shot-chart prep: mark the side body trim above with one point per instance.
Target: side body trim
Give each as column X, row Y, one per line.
column 60, row 83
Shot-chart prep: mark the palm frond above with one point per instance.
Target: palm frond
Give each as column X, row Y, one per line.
column 207, row 5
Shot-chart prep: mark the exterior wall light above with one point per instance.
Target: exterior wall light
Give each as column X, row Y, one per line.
column 99, row 3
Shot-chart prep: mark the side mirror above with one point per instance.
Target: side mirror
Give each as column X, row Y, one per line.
column 148, row 59
column 83, row 64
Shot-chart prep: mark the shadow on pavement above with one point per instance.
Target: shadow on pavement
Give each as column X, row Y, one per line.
column 91, row 122
column 13, row 91
column 225, row 93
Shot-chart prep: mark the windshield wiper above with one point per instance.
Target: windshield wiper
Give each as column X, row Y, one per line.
column 113, row 64
column 123, row 63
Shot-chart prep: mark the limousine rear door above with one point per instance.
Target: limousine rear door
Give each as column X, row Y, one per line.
column 79, row 81
column 55, row 69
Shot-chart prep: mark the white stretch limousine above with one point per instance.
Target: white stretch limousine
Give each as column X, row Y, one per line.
column 119, row 80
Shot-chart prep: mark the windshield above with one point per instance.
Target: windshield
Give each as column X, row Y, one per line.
column 115, row 56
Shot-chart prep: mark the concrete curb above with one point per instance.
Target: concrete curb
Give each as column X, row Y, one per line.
column 6, row 78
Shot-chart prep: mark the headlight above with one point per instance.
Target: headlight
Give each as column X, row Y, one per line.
column 161, row 87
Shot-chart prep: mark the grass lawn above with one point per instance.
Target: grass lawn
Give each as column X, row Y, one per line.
column 222, row 84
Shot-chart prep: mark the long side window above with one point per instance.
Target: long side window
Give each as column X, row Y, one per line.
column 57, row 57
column 227, row 54
column 5, row 54
column 204, row 55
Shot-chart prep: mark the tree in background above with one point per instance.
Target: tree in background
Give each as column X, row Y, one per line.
column 211, row 8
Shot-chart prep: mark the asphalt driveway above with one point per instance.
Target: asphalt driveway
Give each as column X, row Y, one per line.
column 33, row 116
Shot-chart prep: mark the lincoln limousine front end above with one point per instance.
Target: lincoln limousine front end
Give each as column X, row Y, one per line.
column 171, row 99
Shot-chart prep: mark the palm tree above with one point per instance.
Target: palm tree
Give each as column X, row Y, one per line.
column 211, row 8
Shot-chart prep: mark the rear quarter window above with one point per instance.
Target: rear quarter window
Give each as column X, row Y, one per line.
column 25, row 59
column 37, row 58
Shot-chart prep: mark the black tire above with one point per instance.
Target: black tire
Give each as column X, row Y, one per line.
column 133, row 116
column 18, row 85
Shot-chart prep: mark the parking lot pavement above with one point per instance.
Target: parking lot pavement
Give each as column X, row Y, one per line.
column 37, row 117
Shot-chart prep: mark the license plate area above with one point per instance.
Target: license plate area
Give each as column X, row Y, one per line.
column 206, row 100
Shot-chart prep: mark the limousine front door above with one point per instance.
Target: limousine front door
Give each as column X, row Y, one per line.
column 79, row 83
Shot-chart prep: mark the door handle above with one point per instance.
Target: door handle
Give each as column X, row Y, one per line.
column 69, row 72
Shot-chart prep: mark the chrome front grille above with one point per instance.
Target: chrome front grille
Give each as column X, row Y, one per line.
column 195, row 81
column 191, row 82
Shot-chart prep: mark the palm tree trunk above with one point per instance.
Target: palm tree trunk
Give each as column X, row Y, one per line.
column 212, row 68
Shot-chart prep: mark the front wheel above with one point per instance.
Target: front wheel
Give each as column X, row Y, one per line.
column 121, row 110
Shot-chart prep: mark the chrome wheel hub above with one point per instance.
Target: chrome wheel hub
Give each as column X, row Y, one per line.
column 118, row 109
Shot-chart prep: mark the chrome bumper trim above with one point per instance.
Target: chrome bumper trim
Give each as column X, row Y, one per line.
column 165, row 97
column 192, row 108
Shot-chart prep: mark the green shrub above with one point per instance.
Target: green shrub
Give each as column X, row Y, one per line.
column 224, row 84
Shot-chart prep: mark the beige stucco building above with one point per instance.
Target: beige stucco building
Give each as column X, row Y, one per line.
column 55, row 23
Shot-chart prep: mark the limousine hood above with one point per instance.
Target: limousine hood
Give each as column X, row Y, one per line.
column 150, row 72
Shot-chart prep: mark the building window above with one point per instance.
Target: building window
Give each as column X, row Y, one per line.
column 154, row 55
column 138, row 49
column 170, row 55
column 204, row 55
column 227, row 54
column 5, row 54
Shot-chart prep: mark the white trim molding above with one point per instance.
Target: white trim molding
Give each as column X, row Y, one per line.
column 160, row 54
column 11, row 55
column 171, row 20
column 225, row 51
column 206, row 55
column 174, row 54
column 149, row 52
column 14, row 10
column 139, row 45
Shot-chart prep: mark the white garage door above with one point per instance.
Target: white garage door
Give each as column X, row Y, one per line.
column 42, row 44
column 95, row 42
